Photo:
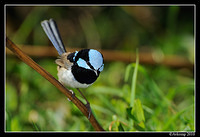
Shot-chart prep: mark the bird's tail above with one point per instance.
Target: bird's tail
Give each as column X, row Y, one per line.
column 51, row 30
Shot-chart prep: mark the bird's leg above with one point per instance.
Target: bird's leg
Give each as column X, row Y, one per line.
column 87, row 105
column 73, row 95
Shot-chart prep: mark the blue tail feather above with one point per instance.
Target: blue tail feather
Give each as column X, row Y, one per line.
column 52, row 32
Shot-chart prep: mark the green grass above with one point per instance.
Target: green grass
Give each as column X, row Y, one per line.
column 131, row 103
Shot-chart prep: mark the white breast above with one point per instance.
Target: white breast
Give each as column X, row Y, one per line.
column 66, row 77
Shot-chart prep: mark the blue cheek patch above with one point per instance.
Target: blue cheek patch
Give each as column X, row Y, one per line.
column 96, row 59
column 101, row 68
column 82, row 63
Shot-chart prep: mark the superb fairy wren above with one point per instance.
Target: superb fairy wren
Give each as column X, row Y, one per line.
column 78, row 69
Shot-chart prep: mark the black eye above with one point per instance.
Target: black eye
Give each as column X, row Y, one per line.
column 88, row 63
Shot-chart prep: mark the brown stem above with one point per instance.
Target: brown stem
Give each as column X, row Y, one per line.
column 25, row 58
column 149, row 58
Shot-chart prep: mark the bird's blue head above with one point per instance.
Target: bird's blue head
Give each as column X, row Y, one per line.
column 88, row 63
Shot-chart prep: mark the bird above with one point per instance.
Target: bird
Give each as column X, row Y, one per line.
column 79, row 69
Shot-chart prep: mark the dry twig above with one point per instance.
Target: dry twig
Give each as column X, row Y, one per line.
column 25, row 58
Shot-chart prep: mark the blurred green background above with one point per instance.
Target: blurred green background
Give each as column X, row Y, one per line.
column 127, row 96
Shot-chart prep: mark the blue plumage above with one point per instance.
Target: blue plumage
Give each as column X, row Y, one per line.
column 84, row 66
column 96, row 59
column 82, row 63
column 79, row 69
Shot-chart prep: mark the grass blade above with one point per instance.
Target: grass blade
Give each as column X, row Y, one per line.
column 133, row 85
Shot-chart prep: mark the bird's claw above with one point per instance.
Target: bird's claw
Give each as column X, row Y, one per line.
column 73, row 95
column 88, row 109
